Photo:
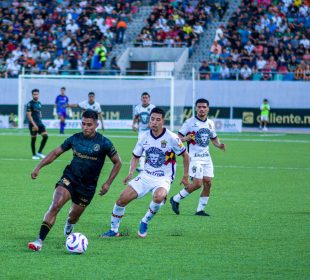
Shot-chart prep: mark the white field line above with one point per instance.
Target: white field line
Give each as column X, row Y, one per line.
column 135, row 137
column 216, row 166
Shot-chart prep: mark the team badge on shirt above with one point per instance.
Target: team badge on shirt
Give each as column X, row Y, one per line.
column 155, row 157
column 202, row 137
column 96, row 147
column 163, row 143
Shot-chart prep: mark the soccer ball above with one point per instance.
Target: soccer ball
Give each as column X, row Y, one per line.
column 76, row 243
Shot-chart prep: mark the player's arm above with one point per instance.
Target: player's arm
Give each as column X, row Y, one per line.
column 216, row 142
column 135, row 122
column 185, row 179
column 35, row 127
column 72, row 105
column 117, row 164
column 186, row 138
column 101, row 119
column 47, row 160
column 133, row 166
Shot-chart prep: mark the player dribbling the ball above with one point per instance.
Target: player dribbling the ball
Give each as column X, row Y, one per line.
column 79, row 180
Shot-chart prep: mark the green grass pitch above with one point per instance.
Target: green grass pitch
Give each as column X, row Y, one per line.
column 259, row 226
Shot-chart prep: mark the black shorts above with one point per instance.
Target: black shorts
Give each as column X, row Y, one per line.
column 77, row 196
column 41, row 129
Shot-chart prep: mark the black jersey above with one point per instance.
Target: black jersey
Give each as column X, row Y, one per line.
column 88, row 159
column 35, row 108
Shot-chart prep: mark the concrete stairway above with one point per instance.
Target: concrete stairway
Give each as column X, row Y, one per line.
column 202, row 50
column 133, row 29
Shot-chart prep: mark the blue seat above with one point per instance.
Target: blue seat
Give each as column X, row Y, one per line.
column 288, row 77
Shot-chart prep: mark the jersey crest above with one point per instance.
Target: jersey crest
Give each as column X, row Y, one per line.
column 155, row 157
column 202, row 137
column 144, row 117
column 96, row 147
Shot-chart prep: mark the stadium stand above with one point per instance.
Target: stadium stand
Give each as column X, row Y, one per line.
column 247, row 40
column 60, row 36
column 263, row 40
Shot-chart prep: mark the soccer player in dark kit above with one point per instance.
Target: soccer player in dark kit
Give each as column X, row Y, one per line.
column 36, row 125
column 79, row 179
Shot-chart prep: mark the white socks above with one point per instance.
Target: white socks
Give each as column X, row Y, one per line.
column 117, row 215
column 153, row 209
column 203, row 201
column 182, row 194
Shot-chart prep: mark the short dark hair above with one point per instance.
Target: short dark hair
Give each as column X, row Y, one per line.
column 145, row 93
column 90, row 114
column 158, row 110
column 63, row 88
column 34, row 90
column 91, row 93
column 265, row 100
column 202, row 100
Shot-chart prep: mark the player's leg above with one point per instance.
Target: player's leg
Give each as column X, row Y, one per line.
column 33, row 135
column 208, row 174
column 60, row 197
column 126, row 197
column 196, row 173
column 74, row 215
column 79, row 204
column 44, row 135
column 159, row 195
column 204, row 197
column 62, row 124
column 260, row 121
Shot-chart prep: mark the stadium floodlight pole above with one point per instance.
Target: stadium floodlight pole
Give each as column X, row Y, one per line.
column 193, row 90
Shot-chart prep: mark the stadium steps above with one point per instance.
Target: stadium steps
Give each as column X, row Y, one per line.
column 202, row 50
column 133, row 29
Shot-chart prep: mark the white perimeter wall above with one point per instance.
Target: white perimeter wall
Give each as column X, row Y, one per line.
column 219, row 93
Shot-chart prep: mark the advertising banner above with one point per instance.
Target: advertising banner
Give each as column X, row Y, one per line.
column 277, row 117
column 227, row 125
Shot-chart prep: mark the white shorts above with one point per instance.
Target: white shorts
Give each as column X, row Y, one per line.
column 144, row 183
column 198, row 169
column 264, row 118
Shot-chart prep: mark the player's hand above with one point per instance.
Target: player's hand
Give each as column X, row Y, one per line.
column 35, row 174
column 35, row 128
column 222, row 147
column 190, row 137
column 134, row 128
column 127, row 179
column 104, row 189
column 54, row 112
column 185, row 181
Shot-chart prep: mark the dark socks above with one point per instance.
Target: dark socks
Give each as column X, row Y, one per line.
column 62, row 127
column 43, row 142
column 44, row 230
column 33, row 145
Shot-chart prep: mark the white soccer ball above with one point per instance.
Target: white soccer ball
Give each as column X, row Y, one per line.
column 76, row 243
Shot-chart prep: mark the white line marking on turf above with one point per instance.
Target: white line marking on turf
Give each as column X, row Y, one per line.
column 136, row 137
column 217, row 166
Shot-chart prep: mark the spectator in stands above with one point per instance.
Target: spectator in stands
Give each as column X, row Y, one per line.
column 245, row 72
column 224, row 72
column 204, row 71
column 101, row 53
column 120, row 31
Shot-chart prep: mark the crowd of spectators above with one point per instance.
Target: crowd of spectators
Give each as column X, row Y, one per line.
column 179, row 23
column 263, row 40
column 52, row 37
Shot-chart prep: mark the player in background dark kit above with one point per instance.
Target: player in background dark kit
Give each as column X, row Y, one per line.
column 34, row 115
column 60, row 109
column 80, row 177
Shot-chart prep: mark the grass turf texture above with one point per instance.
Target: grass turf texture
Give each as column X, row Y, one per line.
column 258, row 229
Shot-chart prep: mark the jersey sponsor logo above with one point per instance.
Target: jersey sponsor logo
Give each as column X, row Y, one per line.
column 157, row 173
column 155, row 157
column 96, row 147
column 82, row 156
column 163, row 143
column 144, row 117
column 194, row 169
column 202, row 137
column 201, row 155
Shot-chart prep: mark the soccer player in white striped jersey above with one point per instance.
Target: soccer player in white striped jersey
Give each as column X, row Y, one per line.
column 141, row 120
column 197, row 132
column 161, row 147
